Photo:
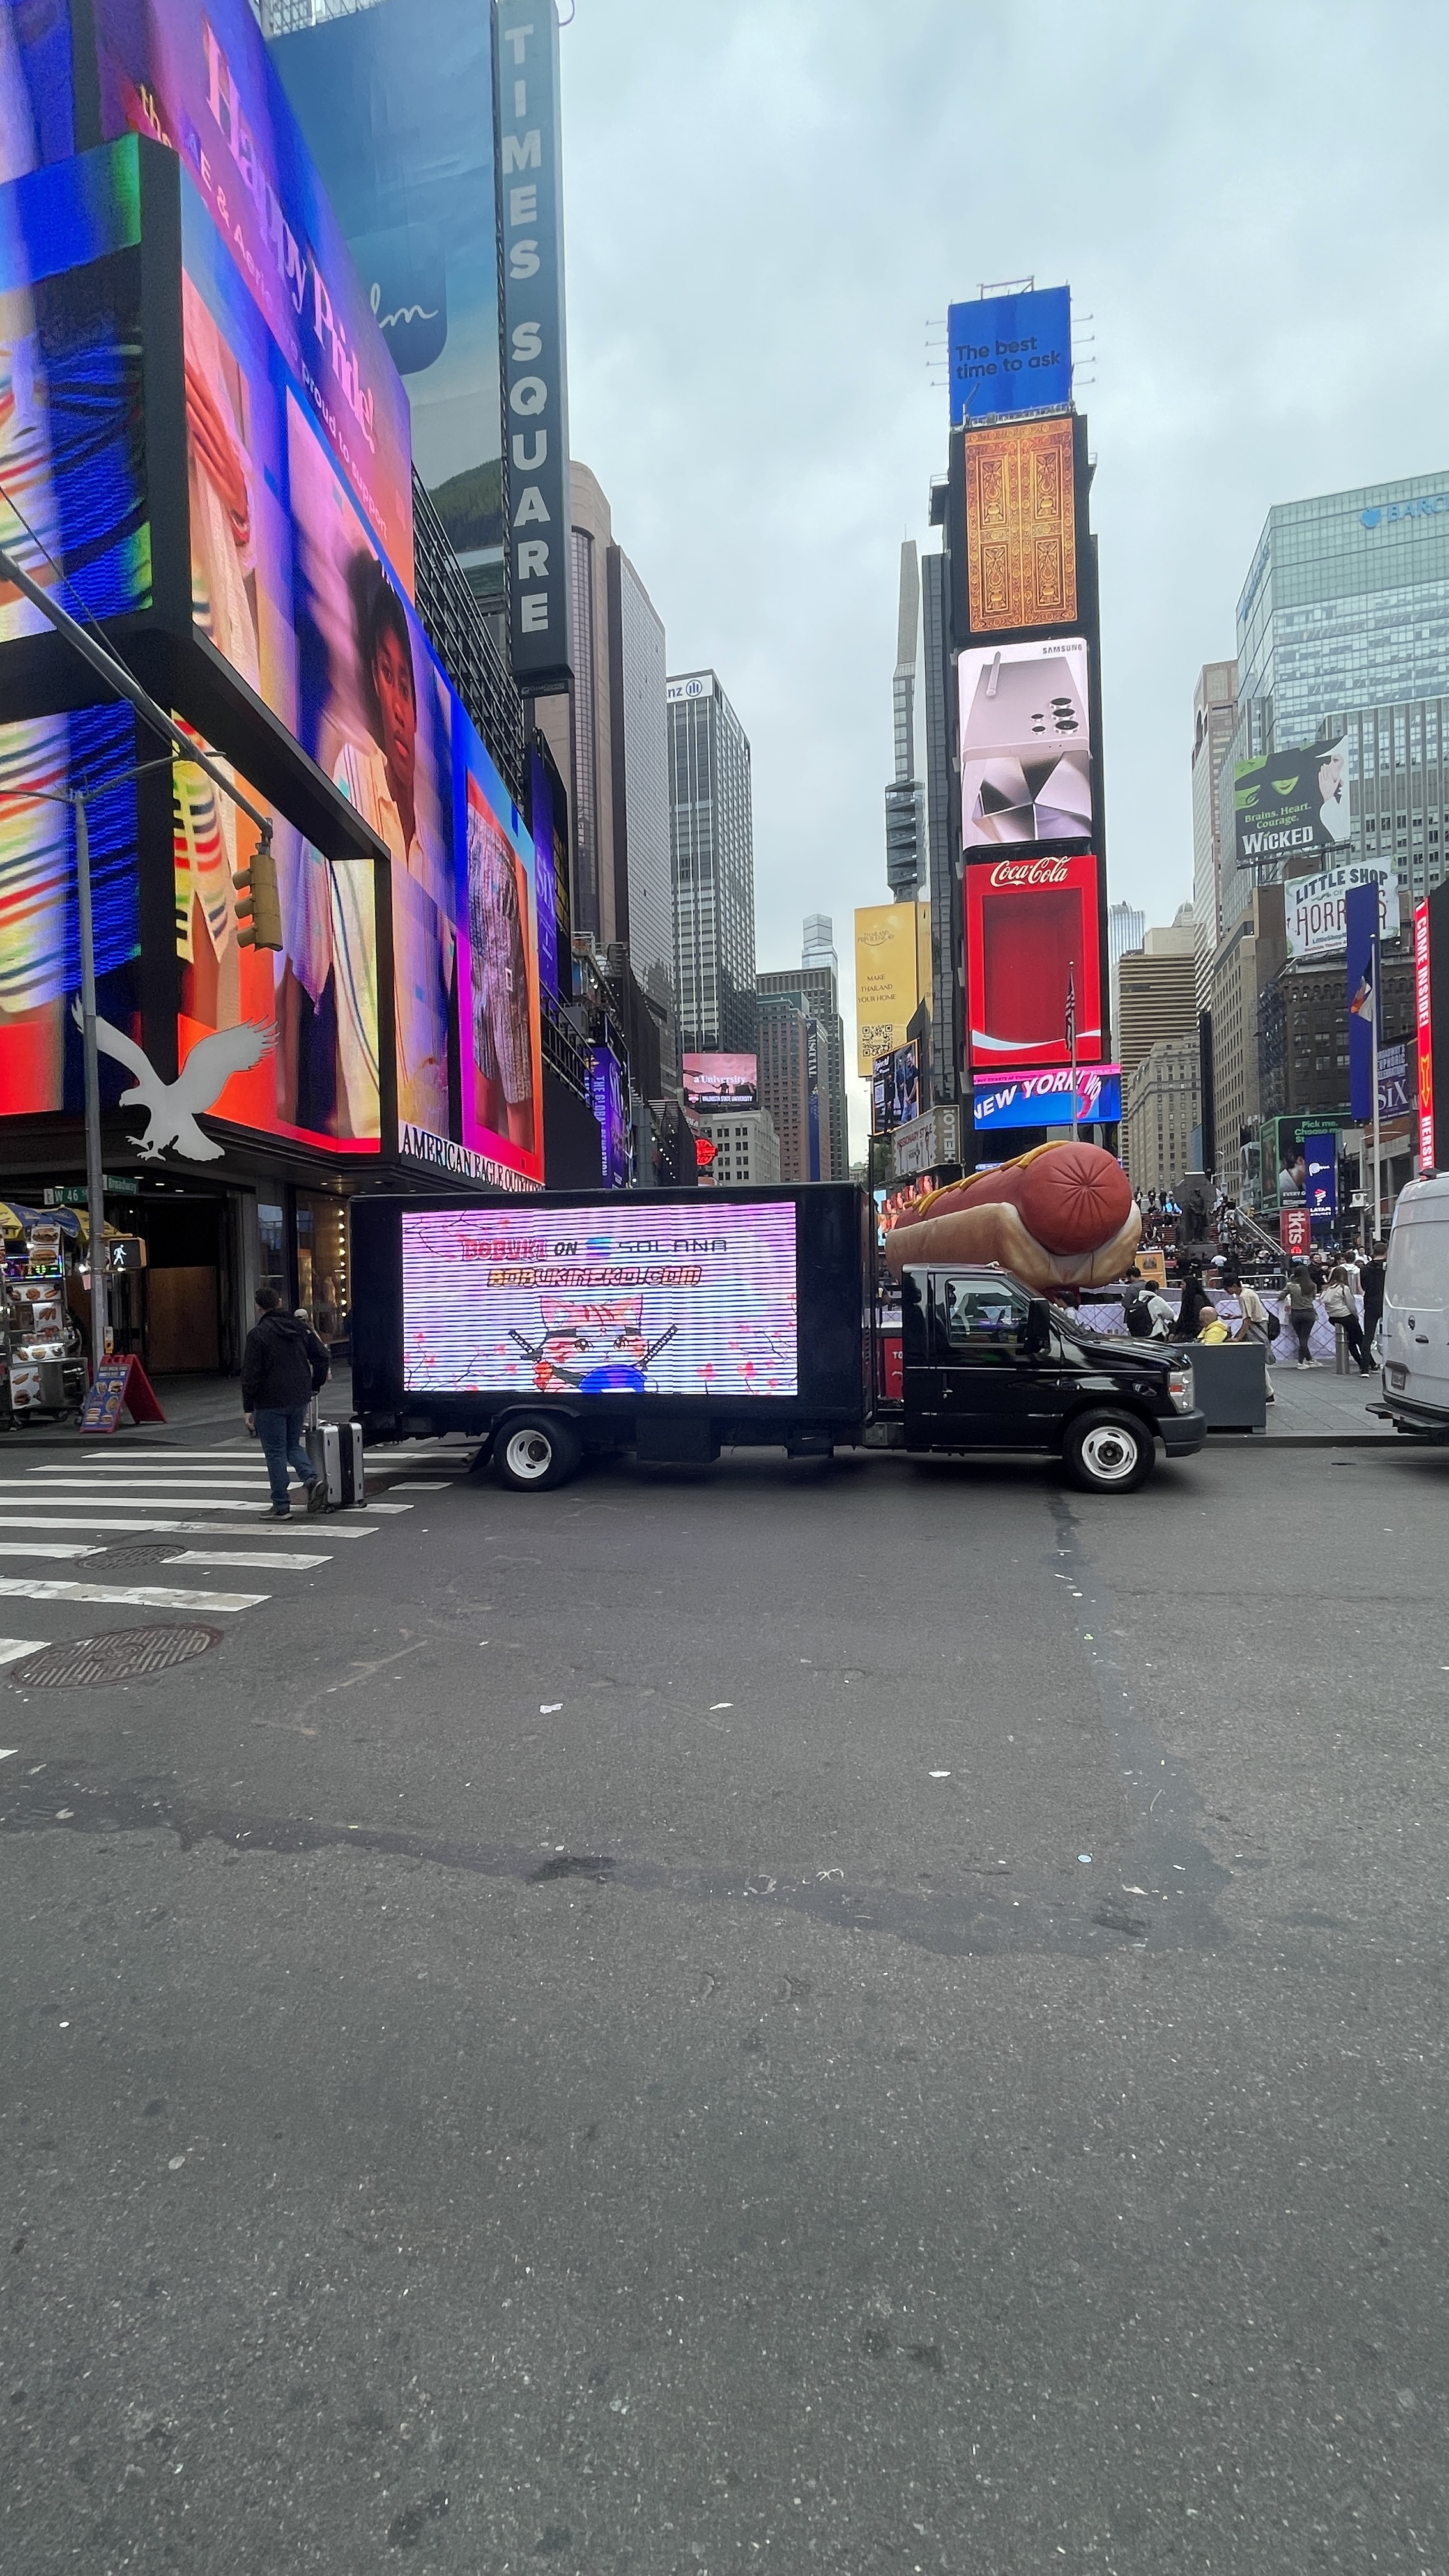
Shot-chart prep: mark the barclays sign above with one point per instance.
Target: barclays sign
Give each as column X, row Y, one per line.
column 1429, row 508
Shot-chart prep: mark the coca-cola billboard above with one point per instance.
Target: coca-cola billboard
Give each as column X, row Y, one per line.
column 1034, row 953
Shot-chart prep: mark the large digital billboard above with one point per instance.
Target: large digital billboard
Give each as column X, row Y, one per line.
column 1026, row 743
column 396, row 103
column 498, row 972
column 41, row 762
column 1424, row 998
column 314, row 1074
column 199, row 81
column 1033, row 934
column 607, row 1300
column 1010, row 353
column 892, row 976
column 1004, row 1101
column 721, row 1081
column 73, row 484
column 1021, row 525
column 1290, row 804
column 377, row 714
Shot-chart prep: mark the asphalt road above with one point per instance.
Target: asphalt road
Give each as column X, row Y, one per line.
column 856, row 2020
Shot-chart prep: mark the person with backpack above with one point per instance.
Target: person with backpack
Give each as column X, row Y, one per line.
column 1372, row 1276
column 283, row 1366
column 1148, row 1315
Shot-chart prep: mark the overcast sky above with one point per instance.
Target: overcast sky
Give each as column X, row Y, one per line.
column 769, row 201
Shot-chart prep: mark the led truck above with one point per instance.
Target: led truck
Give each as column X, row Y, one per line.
column 675, row 1324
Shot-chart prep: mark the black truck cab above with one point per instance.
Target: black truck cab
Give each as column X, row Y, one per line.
column 988, row 1365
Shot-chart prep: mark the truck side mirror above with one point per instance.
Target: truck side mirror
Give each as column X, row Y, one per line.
column 1037, row 1336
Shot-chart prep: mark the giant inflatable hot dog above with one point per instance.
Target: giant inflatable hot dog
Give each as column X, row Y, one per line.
column 1061, row 1216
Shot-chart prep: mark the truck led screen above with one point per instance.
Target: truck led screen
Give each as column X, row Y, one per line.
column 603, row 1300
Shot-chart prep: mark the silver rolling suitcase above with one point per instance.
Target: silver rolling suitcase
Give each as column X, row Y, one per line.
column 324, row 1448
column 354, row 1472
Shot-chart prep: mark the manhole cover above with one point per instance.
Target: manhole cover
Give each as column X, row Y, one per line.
column 146, row 1552
column 126, row 1655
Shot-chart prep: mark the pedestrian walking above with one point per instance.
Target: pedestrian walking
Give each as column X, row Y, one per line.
column 1341, row 1308
column 283, row 1365
column 1372, row 1277
column 1257, row 1324
column 1302, row 1312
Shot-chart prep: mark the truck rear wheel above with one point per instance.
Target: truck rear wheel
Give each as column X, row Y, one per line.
column 531, row 1452
column 1108, row 1453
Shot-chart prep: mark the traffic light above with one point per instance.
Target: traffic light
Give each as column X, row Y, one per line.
column 259, row 905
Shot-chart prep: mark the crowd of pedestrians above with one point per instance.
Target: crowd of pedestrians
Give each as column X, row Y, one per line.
column 1222, row 1305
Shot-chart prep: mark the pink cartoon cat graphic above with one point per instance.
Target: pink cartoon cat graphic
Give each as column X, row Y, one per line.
column 592, row 1347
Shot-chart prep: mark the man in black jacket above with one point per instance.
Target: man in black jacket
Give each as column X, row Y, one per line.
column 283, row 1365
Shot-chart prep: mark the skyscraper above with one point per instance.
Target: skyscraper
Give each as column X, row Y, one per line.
column 819, row 943
column 905, row 798
column 813, row 989
column 712, row 848
column 610, row 740
column 1343, row 630
column 1214, row 720
column 1126, row 929
column 948, row 1006
column 784, row 1053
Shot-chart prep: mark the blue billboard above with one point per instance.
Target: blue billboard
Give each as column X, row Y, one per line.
column 1320, row 1189
column 1010, row 353
column 1045, row 1099
column 1361, row 944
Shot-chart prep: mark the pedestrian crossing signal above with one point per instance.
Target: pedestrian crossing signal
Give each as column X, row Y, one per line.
column 259, row 904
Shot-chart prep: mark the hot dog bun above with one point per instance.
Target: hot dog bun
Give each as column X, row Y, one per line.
column 1061, row 1216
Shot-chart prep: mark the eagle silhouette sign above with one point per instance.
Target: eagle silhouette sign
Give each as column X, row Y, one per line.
column 172, row 1108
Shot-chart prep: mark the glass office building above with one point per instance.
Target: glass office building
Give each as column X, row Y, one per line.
column 712, row 840
column 1343, row 631
column 1346, row 605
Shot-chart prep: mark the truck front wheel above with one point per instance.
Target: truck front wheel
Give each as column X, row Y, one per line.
column 532, row 1452
column 1108, row 1453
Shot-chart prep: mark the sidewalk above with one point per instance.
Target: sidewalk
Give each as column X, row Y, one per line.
column 201, row 1411
column 1316, row 1410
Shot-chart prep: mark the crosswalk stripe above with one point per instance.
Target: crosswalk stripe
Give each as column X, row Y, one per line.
column 10, row 1520
column 63, row 1498
column 11, row 1650
column 67, row 1547
column 267, row 1562
column 136, row 1596
column 398, row 1486
column 374, row 1505
column 94, row 1483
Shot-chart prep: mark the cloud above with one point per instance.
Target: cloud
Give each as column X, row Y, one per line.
column 768, row 205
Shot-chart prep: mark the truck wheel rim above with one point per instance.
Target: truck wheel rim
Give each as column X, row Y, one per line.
column 529, row 1455
column 1110, row 1453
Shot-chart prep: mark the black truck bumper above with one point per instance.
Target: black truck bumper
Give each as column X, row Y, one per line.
column 1183, row 1434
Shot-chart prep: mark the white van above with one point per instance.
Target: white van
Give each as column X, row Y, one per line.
column 1415, row 1338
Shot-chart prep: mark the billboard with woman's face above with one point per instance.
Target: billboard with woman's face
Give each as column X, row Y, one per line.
column 376, row 714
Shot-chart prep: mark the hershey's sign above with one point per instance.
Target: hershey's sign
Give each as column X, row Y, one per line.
column 528, row 174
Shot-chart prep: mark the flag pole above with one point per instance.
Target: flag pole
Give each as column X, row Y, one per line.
column 1072, row 1035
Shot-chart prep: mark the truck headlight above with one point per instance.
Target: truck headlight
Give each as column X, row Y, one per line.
column 1181, row 1389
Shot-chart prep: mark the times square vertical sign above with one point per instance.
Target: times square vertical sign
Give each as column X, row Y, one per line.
column 528, row 176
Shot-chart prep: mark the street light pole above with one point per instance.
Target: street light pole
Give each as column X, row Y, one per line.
column 95, row 1179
